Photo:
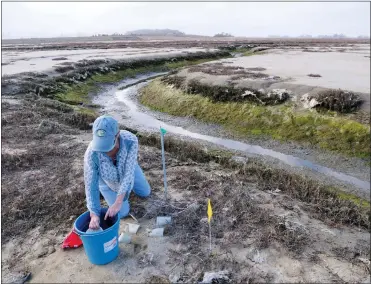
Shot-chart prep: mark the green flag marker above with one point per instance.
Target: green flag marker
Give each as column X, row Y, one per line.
column 163, row 131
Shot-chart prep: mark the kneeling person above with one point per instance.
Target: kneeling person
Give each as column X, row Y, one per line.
column 111, row 168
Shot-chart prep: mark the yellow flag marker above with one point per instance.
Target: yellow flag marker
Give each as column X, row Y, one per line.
column 209, row 215
column 209, row 210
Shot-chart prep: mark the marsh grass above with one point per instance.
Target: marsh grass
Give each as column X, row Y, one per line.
column 278, row 122
column 79, row 94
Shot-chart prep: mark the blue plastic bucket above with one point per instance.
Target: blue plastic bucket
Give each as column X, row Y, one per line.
column 100, row 247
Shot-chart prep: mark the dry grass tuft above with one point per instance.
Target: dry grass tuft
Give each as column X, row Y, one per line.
column 157, row 279
column 339, row 100
column 220, row 69
column 226, row 93
column 81, row 120
column 27, row 201
column 327, row 203
column 63, row 69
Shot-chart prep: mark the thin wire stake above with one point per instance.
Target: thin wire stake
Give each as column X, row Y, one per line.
column 210, row 234
column 163, row 162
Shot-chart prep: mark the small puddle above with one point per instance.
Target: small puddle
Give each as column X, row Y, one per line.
column 148, row 122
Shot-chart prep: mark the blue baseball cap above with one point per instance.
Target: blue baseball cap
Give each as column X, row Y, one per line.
column 105, row 129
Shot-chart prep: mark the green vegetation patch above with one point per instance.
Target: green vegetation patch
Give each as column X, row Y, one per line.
column 279, row 122
column 342, row 195
column 77, row 94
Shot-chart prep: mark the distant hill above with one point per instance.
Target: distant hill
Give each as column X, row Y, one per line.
column 156, row 32
column 223, row 35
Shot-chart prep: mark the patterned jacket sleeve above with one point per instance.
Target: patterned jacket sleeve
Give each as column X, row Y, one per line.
column 131, row 143
column 91, row 175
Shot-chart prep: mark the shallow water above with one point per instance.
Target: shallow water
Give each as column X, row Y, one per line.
column 348, row 70
column 146, row 121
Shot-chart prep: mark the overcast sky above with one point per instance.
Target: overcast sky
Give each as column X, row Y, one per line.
column 48, row 19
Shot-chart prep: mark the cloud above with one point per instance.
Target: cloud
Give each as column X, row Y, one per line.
column 46, row 19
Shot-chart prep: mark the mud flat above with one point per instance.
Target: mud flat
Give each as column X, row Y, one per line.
column 169, row 41
column 43, row 61
column 347, row 70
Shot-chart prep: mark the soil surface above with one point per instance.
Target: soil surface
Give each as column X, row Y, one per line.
column 257, row 236
column 259, row 233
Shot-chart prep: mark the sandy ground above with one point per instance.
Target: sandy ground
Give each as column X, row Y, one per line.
column 14, row 62
column 251, row 250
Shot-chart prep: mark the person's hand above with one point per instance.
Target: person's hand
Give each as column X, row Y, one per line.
column 94, row 222
column 113, row 209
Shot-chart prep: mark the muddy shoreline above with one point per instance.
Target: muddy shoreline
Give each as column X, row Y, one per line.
column 45, row 84
column 185, row 42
